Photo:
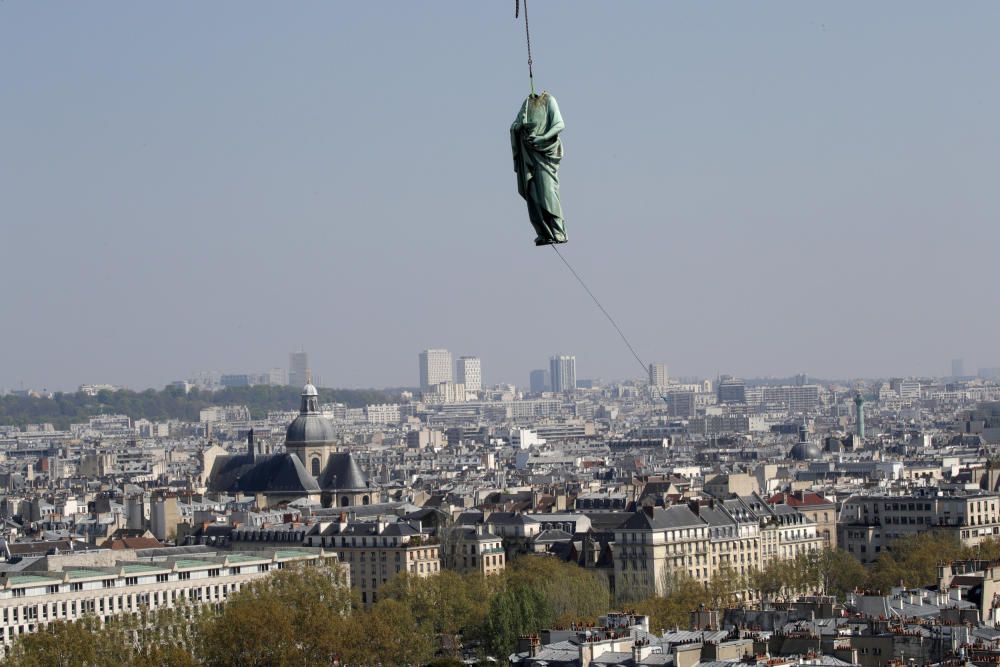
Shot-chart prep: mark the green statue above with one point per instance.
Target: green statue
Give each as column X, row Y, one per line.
column 534, row 139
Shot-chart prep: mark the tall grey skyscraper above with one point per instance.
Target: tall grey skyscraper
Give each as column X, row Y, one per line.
column 435, row 368
column 539, row 381
column 562, row 372
column 470, row 373
column 658, row 375
column 298, row 369
column 958, row 368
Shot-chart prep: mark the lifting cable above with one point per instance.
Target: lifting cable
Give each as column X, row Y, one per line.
column 642, row 364
column 531, row 78
column 527, row 37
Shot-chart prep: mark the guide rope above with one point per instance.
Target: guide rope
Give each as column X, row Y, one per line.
column 642, row 364
column 527, row 37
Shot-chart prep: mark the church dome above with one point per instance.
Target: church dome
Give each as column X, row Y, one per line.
column 310, row 427
column 805, row 451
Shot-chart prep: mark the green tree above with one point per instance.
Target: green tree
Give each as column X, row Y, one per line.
column 449, row 604
column 571, row 593
column 840, row 573
column 59, row 644
column 515, row 610
column 913, row 560
column 770, row 580
column 385, row 635
column 682, row 595
column 295, row 617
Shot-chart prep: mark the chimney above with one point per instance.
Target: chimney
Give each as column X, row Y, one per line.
column 536, row 644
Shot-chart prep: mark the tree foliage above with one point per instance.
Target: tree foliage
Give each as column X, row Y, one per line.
column 682, row 595
column 538, row 592
column 64, row 409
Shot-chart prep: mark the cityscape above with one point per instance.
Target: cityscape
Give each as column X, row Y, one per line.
column 412, row 334
column 806, row 519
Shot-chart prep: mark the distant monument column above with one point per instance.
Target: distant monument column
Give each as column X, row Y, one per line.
column 859, row 404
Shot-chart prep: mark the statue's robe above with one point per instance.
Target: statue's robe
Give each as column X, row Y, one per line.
column 537, row 167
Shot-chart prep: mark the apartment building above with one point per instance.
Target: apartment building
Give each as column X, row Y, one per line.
column 868, row 525
column 475, row 549
column 702, row 539
column 655, row 543
column 817, row 507
column 378, row 550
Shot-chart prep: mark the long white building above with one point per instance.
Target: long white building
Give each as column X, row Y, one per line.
column 29, row 600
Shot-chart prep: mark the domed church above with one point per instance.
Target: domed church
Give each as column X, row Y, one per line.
column 310, row 466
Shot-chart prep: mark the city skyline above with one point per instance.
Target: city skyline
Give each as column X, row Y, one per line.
column 280, row 375
column 803, row 180
column 289, row 373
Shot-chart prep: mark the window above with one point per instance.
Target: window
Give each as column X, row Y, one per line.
column 183, row 576
column 161, row 578
column 131, row 581
column 108, row 583
column 76, row 586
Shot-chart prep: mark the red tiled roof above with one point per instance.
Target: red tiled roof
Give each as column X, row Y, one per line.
column 798, row 499
column 115, row 543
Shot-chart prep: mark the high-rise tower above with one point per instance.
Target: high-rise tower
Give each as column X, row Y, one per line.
column 435, row 368
column 470, row 373
column 298, row 369
column 658, row 375
column 562, row 373
column 539, row 381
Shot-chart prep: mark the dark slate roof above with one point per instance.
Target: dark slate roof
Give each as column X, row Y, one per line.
column 469, row 518
column 343, row 473
column 398, row 529
column 714, row 516
column 677, row 516
column 553, row 535
column 261, row 474
column 227, row 470
column 606, row 521
column 310, row 428
column 281, row 472
column 509, row 519
column 805, row 451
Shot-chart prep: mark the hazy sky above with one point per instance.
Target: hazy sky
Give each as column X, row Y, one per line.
column 750, row 188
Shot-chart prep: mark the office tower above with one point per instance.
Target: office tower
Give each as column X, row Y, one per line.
column 658, row 375
column 539, row 381
column 435, row 368
column 298, row 369
column 277, row 377
column 958, row 368
column 470, row 373
column 562, row 373
column 731, row 390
